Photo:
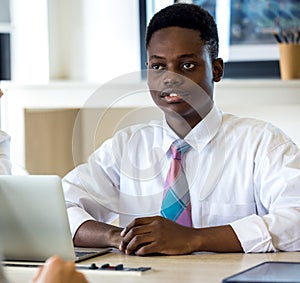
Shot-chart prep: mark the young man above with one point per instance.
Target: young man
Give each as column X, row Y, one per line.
column 238, row 188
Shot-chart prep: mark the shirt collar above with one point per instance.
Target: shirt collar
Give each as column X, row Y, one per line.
column 169, row 136
column 200, row 135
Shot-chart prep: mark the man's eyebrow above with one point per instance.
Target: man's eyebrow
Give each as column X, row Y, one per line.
column 187, row 55
column 191, row 55
column 156, row 57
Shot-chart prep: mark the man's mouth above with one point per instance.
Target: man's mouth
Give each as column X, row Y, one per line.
column 173, row 96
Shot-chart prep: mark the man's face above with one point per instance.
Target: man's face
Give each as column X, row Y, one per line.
column 181, row 73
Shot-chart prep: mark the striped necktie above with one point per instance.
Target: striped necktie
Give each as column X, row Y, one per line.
column 176, row 204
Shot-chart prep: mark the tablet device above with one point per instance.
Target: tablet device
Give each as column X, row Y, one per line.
column 268, row 272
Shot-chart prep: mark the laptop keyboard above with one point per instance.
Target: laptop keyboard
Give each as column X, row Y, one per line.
column 80, row 253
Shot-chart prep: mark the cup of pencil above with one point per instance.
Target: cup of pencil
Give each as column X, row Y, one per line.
column 289, row 51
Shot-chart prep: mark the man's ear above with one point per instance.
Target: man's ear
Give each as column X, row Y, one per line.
column 218, row 69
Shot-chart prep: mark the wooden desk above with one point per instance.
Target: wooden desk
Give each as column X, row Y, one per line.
column 198, row 268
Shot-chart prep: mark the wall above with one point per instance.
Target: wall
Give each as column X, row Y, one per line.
column 93, row 40
column 29, row 41
column 87, row 40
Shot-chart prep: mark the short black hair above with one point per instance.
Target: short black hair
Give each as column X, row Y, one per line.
column 189, row 16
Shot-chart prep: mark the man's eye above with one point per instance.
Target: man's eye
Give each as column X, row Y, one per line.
column 188, row 66
column 157, row 67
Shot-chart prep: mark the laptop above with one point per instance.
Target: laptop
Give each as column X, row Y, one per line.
column 33, row 220
column 268, row 272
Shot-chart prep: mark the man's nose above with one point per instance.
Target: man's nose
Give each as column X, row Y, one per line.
column 172, row 79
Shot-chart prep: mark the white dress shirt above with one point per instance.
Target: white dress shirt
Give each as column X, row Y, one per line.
column 241, row 172
column 5, row 165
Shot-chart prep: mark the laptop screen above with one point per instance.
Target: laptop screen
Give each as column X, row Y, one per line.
column 33, row 218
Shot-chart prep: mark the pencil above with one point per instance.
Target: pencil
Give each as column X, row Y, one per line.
column 295, row 36
column 278, row 39
column 284, row 36
column 298, row 37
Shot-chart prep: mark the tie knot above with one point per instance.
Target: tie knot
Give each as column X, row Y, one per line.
column 178, row 148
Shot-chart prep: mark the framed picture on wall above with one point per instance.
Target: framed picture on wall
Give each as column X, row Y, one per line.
column 246, row 28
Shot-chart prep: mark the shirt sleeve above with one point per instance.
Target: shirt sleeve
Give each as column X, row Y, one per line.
column 277, row 194
column 5, row 164
column 91, row 190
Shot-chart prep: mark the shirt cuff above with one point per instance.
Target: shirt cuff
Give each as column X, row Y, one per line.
column 77, row 216
column 253, row 234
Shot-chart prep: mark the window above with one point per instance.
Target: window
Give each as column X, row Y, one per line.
column 5, row 62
